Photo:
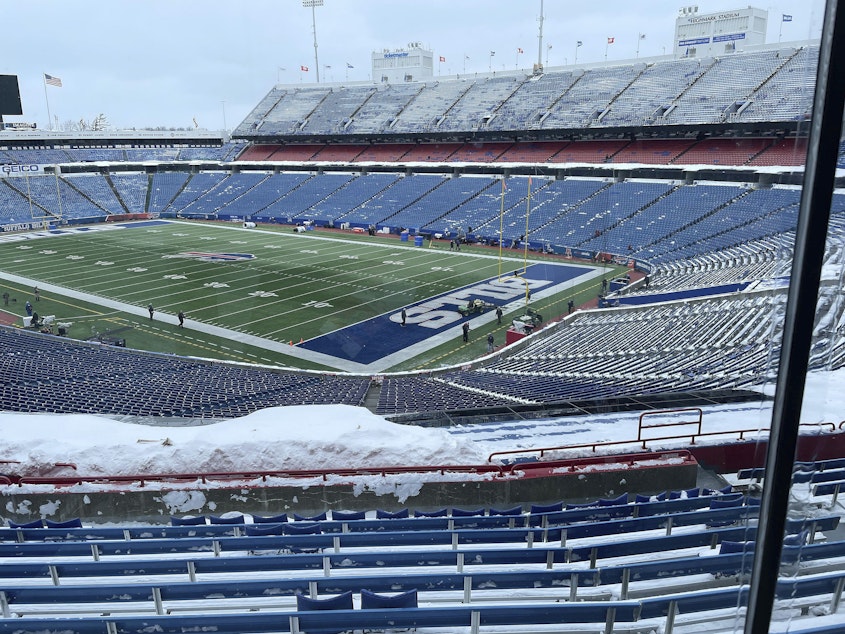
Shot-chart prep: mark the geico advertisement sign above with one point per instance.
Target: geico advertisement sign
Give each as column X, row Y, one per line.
column 7, row 171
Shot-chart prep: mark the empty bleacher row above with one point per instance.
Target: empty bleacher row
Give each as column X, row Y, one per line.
column 651, row 220
column 573, row 563
column 768, row 85
column 758, row 259
column 725, row 151
column 768, row 258
column 678, row 346
column 50, row 374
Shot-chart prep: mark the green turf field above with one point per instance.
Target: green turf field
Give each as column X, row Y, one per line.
column 295, row 288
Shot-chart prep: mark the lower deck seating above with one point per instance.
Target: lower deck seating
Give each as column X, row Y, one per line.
column 343, row 585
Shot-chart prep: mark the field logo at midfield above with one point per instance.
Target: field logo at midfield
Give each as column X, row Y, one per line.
column 216, row 257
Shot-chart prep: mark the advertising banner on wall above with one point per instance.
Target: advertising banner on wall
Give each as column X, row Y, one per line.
column 18, row 170
column 24, row 226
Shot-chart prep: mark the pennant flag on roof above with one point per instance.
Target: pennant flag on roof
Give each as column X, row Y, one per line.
column 787, row 18
column 303, row 69
column 442, row 59
column 519, row 50
column 610, row 40
column 348, row 65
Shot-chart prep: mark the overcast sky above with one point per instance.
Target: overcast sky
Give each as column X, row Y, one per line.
column 166, row 62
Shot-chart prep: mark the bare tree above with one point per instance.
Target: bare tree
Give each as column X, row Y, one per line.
column 100, row 123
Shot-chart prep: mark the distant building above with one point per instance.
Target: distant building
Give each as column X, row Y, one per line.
column 714, row 34
column 402, row 65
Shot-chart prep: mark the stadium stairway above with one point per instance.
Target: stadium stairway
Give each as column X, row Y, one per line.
column 371, row 400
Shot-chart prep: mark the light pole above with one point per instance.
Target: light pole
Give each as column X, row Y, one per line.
column 540, row 39
column 313, row 4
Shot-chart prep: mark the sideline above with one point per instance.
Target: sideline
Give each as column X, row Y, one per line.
column 190, row 324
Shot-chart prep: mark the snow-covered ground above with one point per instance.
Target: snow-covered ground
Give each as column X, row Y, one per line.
column 340, row 436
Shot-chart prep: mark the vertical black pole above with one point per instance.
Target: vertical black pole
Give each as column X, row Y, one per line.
column 822, row 151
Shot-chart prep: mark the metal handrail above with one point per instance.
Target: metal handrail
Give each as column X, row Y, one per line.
column 643, row 442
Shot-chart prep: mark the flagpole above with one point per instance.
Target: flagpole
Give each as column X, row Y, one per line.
column 49, row 117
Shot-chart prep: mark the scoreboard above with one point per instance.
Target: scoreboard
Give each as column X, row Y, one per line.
column 10, row 95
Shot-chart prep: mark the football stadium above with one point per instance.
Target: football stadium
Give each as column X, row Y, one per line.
column 543, row 350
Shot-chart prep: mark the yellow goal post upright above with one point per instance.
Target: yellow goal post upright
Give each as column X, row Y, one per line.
column 35, row 211
column 516, row 274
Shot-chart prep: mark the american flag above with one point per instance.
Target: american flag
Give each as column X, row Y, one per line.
column 52, row 81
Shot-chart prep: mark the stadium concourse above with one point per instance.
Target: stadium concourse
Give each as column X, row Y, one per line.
column 602, row 473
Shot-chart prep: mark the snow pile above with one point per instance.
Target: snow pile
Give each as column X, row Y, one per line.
column 347, row 437
column 280, row 438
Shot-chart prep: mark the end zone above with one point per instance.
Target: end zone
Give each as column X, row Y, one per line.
column 382, row 341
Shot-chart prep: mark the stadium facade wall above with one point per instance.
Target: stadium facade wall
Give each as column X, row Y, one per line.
column 155, row 505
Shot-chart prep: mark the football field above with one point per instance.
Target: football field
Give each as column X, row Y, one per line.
column 314, row 300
